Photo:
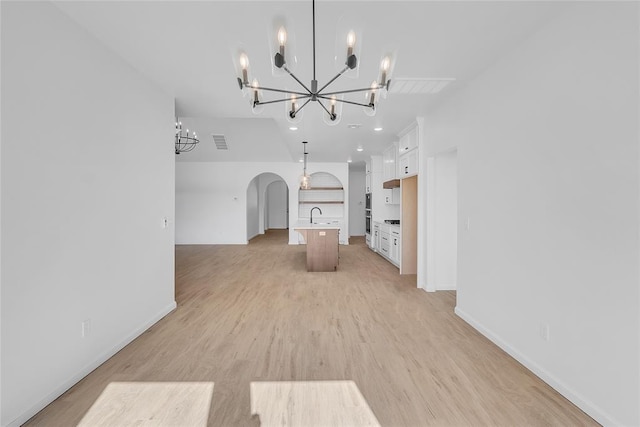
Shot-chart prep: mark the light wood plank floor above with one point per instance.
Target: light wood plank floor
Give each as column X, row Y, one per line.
column 252, row 313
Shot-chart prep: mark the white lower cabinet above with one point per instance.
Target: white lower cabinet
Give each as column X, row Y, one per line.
column 394, row 253
column 385, row 244
column 387, row 241
column 376, row 237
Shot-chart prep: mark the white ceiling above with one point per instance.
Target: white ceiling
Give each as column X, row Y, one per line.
column 188, row 49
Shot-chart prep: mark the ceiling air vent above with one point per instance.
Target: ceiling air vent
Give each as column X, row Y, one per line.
column 220, row 141
column 418, row 86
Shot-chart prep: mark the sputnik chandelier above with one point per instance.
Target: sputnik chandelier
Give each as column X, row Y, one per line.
column 184, row 141
column 299, row 99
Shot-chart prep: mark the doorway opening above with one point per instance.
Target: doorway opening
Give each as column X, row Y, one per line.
column 267, row 207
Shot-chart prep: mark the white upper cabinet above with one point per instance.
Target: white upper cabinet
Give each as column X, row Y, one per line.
column 408, row 164
column 408, row 141
column 389, row 167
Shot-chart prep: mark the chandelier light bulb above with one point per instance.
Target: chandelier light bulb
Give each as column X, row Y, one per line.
column 333, row 106
column 292, row 113
column 386, row 63
column 384, row 66
column 374, row 86
column 244, row 64
column 351, row 42
column 282, row 39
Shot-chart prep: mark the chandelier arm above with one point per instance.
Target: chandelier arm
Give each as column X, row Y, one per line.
column 271, row 89
column 303, row 105
column 298, row 80
column 346, row 101
column 280, row 100
column 333, row 79
column 366, row 89
column 324, row 108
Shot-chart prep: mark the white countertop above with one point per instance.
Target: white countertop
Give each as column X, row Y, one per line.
column 317, row 223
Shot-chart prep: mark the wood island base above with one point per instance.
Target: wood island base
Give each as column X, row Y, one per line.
column 322, row 248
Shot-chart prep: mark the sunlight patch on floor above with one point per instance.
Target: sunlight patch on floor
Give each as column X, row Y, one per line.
column 310, row 403
column 158, row 404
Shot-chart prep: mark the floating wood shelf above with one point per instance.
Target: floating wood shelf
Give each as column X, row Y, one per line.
column 311, row 202
column 394, row 183
column 321, row 188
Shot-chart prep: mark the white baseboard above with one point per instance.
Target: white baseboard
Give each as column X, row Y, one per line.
column 446, row 287
column 90, row 367
column 587, row 406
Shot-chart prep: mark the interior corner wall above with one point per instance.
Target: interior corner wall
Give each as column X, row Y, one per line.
column 547, row 144
column 87, row 180
column 253, row 214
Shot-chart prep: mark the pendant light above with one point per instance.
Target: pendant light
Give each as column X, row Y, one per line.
column 305, row 180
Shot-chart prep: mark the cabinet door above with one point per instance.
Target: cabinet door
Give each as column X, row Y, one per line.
column 404, row 166
column 403, row 144
column 395, row 247
column 385, row 244
column 409, row 164
column 413, row 138
column 389, row 164
column 376, row 239
column 408, row 141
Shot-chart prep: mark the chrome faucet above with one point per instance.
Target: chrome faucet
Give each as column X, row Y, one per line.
column 315, row 207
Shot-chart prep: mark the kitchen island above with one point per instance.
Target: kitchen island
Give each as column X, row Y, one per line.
column 322, row 244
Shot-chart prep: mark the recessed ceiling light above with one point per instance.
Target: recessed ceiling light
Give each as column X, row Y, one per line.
column 359, row 149
column 301, row 160
column 293, row 128
column 349, row 161
column 378, row 129
column 354, row 125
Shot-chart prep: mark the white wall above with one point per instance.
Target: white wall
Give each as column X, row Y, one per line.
column 277, row 205
column 446, row 220
column 211, row 198
column 87, row 178
column 357, row 182
column 548, row 177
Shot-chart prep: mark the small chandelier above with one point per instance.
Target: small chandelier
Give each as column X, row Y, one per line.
column 305, row 180
column 299, row 99
column 185, row 142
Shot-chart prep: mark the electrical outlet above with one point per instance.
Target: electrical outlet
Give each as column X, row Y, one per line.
column 544, row 331
column 85, row 328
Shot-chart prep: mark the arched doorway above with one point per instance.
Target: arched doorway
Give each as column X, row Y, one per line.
column 326, row 196
column 267, row 205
